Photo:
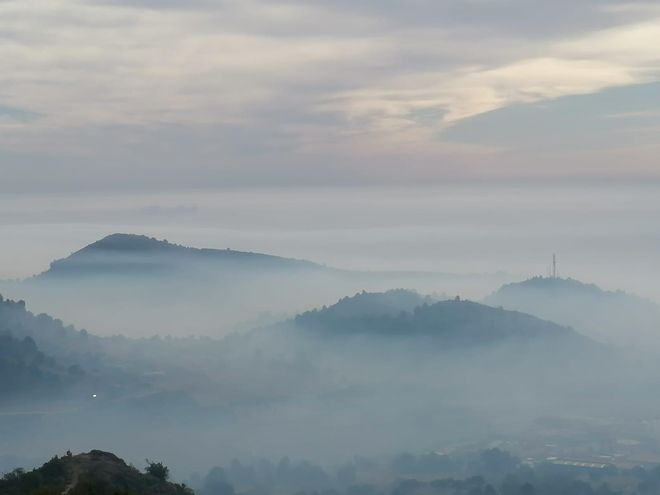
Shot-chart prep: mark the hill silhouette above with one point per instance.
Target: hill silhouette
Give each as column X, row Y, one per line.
column 165, row 288
column 51, row 335
column 129, row 254
column 26, row 372
column 43, row 360
column 97, row 472
column 609, row 316
column 452, row 321
column 388, row 303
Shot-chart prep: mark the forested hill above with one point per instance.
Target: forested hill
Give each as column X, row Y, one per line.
column 28, row 373
column 452, row 321
column 96, row 472
column 389, row 303
column 50, row 334
column 129, row 254
column 42, row 359
column 564, row 287
column 182, row 291
column 611, row 316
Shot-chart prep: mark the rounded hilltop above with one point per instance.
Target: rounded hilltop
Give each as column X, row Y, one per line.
column 98, row 472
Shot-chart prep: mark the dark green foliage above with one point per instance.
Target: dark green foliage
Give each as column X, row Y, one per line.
column 94, row 473
column 55, row 468
column 157, row 470
column 459, row 322
column 389, row 303
column 51, row 478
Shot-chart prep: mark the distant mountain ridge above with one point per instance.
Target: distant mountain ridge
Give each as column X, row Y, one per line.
column 609, row 316
column 130, row 254
column 26, row 372
column 42, row 359
column 455, row 321
column 388, row 303
column 561, row 285
column 178, row 290
column 50, row 334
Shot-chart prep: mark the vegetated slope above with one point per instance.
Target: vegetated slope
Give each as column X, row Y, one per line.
column 388, row 303
column 42, row 359
column 140, row 286
column 612, row 317
column 96, row 472
column 51, row 335
column 455, row 321
column 25, row 371
column 129, row 254
column 30, row 351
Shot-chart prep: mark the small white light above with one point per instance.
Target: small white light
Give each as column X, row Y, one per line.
column 94, row 396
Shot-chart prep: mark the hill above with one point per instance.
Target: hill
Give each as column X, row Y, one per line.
column 609, row 316
column 129, row 254
column 26, row 372
column 163, row 288
column 141, row 286
column 97, row 472
column 453, row 321
column 52, row 336
column 42, row 360
column 388, row 303
column 30, row 348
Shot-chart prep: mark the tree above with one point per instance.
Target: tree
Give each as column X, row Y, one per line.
column 158, row 470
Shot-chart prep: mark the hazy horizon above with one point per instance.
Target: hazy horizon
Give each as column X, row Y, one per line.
column 459, row 228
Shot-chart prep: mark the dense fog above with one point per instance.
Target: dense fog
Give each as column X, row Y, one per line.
column 373, row 374
column 208, row 358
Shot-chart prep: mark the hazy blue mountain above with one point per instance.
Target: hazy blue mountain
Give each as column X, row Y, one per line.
column 609, row 316
column 141, row 286
column 162, row 288
column 131, row 255
column 453, row 321
column 388, row 303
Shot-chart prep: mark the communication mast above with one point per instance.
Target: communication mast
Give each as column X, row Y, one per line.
column 554, row 265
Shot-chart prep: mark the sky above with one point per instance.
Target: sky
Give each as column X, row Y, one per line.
column 445, row 135
column 159, row 94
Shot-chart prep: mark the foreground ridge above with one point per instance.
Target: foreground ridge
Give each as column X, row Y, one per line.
column 98, row 472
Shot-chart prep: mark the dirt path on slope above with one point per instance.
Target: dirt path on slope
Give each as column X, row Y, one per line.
column 74, row 481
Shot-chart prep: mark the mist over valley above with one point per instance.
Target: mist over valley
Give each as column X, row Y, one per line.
column 267, row 247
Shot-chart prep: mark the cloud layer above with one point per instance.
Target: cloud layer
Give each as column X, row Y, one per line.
column 136, row 93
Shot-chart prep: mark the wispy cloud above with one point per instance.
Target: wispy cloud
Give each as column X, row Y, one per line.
column 305, row 82
column 17, row 114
